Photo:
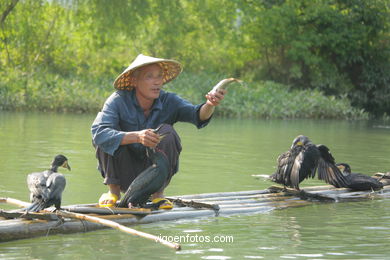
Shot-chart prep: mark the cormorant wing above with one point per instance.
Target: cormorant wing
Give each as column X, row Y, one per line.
column 39, row 193
column 36, row 183
column 55, row 183
column 304, row 165
column 328, row 171
column 285, row 163
column 146, row 177
column 139, row 187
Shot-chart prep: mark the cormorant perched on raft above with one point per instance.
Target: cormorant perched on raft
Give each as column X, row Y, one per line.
column 358, row 181
column 149, row 181
column 46, row 187
column 302, row 161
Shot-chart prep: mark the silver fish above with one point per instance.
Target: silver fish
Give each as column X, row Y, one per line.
column 223, row 84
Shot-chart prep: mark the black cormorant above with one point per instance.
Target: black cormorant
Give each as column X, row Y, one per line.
column 358, row 181
column 46, row 187
column 302, row 161
column 149, row 181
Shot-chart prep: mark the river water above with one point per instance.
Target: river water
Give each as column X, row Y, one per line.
column 221, row 157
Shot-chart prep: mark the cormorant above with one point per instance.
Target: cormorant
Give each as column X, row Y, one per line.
column 149, row 181
column 358, row 181
column 302, row 161
column 46, row 187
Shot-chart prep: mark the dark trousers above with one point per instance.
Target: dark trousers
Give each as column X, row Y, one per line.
column 127, row 162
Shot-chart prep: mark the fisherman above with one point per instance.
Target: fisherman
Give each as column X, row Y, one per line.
column 125, row 126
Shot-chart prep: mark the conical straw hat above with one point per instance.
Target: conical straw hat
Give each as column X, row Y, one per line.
column 171, row 69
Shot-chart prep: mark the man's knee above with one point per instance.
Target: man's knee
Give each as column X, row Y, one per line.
column 166, row 129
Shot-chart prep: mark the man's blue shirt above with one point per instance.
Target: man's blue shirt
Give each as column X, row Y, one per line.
column 121, row 113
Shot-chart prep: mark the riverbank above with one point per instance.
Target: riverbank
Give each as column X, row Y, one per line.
column 48, row 92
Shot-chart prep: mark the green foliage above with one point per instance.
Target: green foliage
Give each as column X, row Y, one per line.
column 266, row 99
column 339, row 47
column 253, row 100
column 52, row 92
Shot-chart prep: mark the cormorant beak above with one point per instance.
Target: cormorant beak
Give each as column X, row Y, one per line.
column 150, row 150
column 66, row 165
column 341, row 168
column 158, row 128
column 162, row 136
column 299, row 143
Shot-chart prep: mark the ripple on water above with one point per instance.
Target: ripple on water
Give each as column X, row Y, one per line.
column 190, row 252
column 215, row 250
column 216, row 257
column 335, row 253
column 192, row 230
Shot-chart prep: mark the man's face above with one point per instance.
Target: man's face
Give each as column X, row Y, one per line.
column 149, row 82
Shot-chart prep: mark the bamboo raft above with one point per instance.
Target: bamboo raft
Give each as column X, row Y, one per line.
column 16, row 225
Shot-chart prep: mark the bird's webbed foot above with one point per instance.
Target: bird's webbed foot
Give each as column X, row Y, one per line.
column 133, row 206
column 54, row 210
column 25, row 212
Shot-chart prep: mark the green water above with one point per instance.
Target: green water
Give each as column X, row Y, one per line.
column 221, row 157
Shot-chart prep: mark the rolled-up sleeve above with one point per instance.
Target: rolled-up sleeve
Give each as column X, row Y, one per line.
column 187, row 112
column 105, row 129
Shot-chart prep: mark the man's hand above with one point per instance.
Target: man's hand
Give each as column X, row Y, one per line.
column 215, row 98
column 148, row 138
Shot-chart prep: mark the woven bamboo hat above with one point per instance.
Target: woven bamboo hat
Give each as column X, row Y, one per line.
column 171, row 69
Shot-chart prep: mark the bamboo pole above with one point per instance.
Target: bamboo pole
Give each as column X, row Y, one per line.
column 107, row 210
column 301, row 193
column 238, row 197
column 27, row 215
column 15, row 202
column 195, row 204
column 222, row 194
column 119, row 227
